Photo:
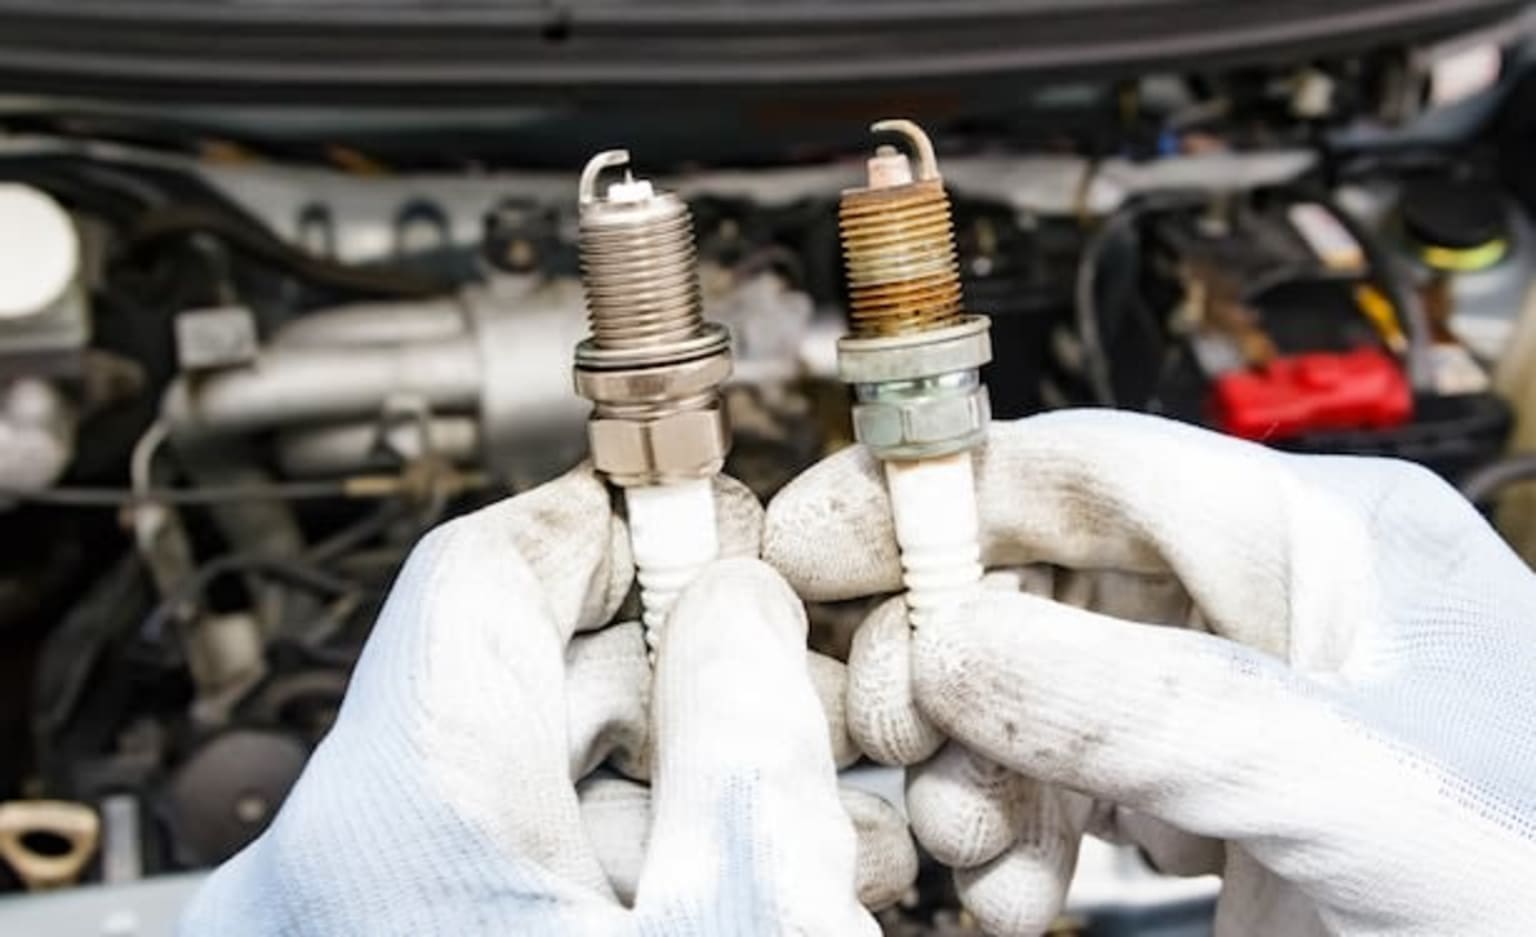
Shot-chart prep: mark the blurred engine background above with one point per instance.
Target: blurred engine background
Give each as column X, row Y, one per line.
column 244, row 365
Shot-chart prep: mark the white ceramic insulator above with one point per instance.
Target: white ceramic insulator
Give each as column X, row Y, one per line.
column 673, row 536
column 631, row 190
column 933, row 504
column 888, row 169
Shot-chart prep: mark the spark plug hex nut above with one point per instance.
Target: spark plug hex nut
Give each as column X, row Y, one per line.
column 677, row 446
column 660, row 423
column 919, row 395
column 924, row 418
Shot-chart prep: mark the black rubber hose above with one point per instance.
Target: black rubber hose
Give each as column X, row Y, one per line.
column 175, row 222
column 1089, row 316
column 1386, row 271
column 1096, row 364
column 1480, row 486
column 357, row 533
column 84, row 497
column 155, row 206
column 190, row 591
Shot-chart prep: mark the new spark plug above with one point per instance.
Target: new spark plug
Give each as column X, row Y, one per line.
column 652, row 367
column 913, row 356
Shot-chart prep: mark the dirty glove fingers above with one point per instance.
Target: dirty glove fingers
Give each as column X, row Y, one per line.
column 738, row 518
column 883, row 719
column 608, row 687
column 608, row 702
column 1138, row 494
column 829, row 532
column 457, row 699
column 577, row 548
column 1011, row 840
column 466, row 667
column 829, row 678
column 1254, row 900
column 965, row 809
column 1214, row 738
column 1020, row 892
column 744, row 785
column 887, row 859
column 1092, row 490
column 1169, row 849
column 617, row 816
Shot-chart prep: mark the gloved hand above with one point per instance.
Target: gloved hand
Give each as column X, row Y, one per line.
column 1346, row 726
column 446, row 800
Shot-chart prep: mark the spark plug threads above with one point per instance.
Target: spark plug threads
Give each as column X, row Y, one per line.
column 652, row 367
column 640, row 273
column 899, row 254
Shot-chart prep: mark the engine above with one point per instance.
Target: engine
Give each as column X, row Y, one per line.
column 234, row 391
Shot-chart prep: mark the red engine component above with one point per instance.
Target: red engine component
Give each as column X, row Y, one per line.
column 1362, row 389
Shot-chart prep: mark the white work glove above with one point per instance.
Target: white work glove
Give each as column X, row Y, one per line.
column 1346, row 728
column 446, row 798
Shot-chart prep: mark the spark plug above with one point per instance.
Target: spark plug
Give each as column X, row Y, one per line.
column 913, row 356
column 652, row 367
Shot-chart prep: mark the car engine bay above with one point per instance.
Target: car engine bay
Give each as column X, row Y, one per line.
column 239, row 378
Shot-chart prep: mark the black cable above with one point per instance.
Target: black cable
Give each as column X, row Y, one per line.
column 180, row 221
column 362, row 488
column 72, row 650
column 1480, row 486
column 1096, row 363
column 1085, row 293
column 215, row 494
column 1367, row 161
column 190, row 591
column 156, row 205
column 1385, row 271
column 77, row 191
column 357, row 533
